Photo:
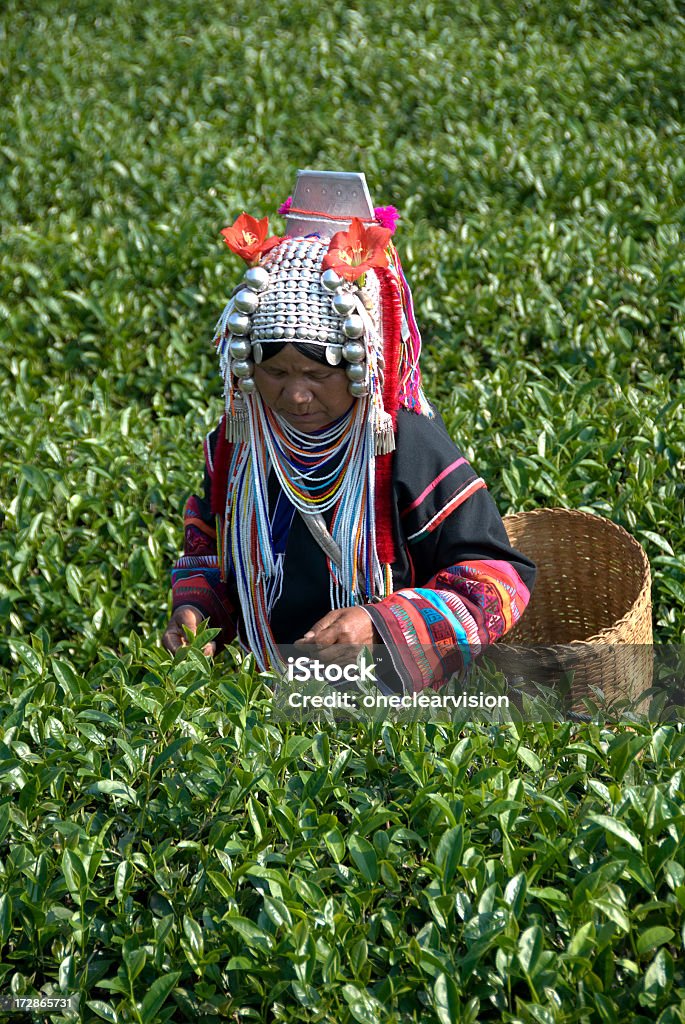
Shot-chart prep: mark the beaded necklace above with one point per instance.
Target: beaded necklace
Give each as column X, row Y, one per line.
column 298, row 459
column 331, row 469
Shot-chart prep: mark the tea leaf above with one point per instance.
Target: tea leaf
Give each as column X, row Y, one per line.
column 250, row 932
column 530, row 948
column 448, row 853
column 5, row 917
column 157, row 995
column 103, row 1010
column 446, row 999
column 364, row 857
column 653, row 937
column 618, row 829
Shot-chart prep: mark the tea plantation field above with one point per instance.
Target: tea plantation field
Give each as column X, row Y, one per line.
column 169, row 851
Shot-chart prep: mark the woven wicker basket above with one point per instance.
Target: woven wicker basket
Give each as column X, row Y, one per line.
column 590, row 613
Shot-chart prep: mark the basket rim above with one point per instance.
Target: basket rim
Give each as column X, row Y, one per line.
column 625, row 536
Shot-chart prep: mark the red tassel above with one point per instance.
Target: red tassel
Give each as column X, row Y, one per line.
column 391, row 307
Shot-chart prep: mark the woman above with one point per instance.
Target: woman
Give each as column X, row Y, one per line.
column 337, row 510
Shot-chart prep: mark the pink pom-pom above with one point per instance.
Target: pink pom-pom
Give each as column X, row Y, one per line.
column 387, row 216
column 284, row 207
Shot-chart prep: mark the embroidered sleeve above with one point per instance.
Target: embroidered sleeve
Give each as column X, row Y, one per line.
column 436, row 630
column 469, row 587
column 196, row 575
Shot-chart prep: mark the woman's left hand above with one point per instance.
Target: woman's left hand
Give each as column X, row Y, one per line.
column 351, row 626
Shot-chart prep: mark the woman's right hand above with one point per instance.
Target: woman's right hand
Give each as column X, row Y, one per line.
column 174, row 637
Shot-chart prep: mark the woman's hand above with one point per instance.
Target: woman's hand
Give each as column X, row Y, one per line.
column 352, row 626
column 174, row 637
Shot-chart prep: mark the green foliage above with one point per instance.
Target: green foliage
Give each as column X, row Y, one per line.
column 167, row 850
column 174, row 850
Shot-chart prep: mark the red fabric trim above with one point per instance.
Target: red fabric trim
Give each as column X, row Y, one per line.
column 329, row 216
column 469, row 488
column 431, row 486
column 391, row 307
column 222, row 460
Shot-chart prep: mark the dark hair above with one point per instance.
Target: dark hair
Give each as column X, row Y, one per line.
column 317, row 353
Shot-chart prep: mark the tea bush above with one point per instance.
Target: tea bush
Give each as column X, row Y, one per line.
column 172, row 853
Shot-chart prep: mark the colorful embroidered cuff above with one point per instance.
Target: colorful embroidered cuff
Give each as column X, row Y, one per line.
column 435, row 631
column 196, row 580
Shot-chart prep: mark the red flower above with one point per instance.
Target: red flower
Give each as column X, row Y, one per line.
column 247, row 238
column 351, row 253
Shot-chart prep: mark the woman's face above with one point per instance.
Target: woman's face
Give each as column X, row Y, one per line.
column 308, row 395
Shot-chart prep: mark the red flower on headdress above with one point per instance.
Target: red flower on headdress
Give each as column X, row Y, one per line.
column 351, row 253
column 247, row 238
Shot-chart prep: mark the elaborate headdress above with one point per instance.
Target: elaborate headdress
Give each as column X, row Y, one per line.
column 334, row 281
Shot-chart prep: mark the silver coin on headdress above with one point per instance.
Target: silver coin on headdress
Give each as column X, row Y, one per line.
column 294, row 296
column 239, row 348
